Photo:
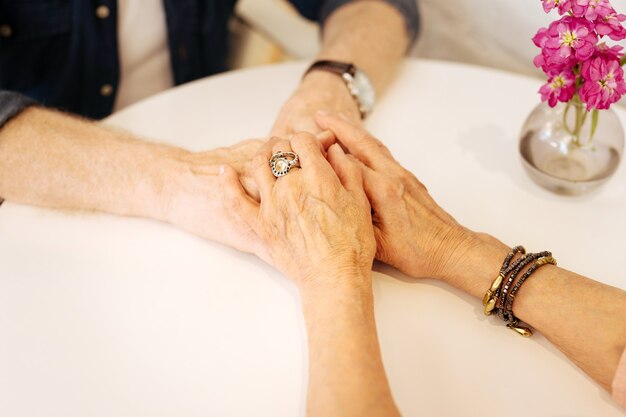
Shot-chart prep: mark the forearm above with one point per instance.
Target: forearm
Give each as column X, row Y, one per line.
column 583, row 318
column 370, row 34
column 346, row 373
column 53, row 160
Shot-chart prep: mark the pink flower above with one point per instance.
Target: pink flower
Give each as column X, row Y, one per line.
column 568, row 39
column 591, row 9
column 603, row 82
column 562, row 5
column 560, row 87
column 543, row 61
column 609, row 52
column 611, row 26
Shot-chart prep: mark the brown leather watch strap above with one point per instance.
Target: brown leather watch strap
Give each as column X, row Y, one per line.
column 336, row 67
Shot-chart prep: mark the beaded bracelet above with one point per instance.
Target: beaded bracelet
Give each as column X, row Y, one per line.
column 513, row 322
column 520, row 265
column 499, row 298
column 490, row 297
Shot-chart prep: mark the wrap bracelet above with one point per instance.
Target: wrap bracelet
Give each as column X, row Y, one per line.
column 513, row 322
column 501, row 294
column 489, row 300
column 515, row 270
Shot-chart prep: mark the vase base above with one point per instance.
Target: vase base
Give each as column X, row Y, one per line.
column 566, row 168
column 567, row 163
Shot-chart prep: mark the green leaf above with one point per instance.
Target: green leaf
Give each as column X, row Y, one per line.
column 594, row 122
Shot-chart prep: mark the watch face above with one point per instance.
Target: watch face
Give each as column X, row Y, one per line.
column 364, row 91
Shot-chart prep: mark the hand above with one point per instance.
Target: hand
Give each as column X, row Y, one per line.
column 312, row 221
column 193, row 199
column 318, row 91
column 412, row 232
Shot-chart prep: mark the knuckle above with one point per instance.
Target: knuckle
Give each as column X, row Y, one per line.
column 260, row 161
column 409, row 179
column 406, row 176
column 233, row 202
column 392, row 190
column 304, row 139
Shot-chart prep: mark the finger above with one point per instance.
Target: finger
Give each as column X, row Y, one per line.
column 326, row 138
column 308, row 149
column 281, row 145
column 358, row 142
column 235, row 198
column 348, row 171
column 373, row 183
column 262, row 172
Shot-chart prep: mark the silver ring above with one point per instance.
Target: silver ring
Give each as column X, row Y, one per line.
column 282, row 162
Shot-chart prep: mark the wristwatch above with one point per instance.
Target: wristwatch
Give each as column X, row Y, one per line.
column 358, row 83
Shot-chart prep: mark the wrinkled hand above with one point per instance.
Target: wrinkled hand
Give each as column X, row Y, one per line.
column 412, row 232
column 318, row 91
column 315, row 220
column 194, row 199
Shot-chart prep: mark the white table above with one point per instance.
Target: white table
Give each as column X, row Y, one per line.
column 109, row 316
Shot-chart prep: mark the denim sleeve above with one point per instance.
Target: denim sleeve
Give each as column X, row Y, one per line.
column 407, row 8
column 11, row 104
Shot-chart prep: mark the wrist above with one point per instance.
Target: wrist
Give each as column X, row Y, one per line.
column 473, row 262
column 337, row 290
column 174, row 181
column 330, row 93
column 337, row 281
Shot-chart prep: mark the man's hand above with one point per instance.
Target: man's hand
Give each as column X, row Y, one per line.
column 318, row 91
column 370, row 34
column 193, row 199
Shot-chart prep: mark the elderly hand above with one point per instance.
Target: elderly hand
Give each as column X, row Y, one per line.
column 193, row 199
column 412, row 232
column 317, row 91
column 314, row 221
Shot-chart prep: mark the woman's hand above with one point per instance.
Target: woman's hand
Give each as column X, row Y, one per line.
column 412, row 232
column 315, row 221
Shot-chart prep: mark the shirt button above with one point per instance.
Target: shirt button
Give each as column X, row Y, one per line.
column 102, row 12
column 106, row 90
column 6, row 31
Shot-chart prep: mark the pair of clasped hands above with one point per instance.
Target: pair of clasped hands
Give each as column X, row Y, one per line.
column 348, row 203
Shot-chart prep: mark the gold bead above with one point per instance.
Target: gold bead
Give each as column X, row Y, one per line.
column 494, row 287
column 546, row 260
column 491, row 304
column 522, row 331
column 486, row 297
column 496, row 283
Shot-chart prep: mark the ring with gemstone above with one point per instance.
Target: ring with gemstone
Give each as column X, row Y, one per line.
column 282, row 162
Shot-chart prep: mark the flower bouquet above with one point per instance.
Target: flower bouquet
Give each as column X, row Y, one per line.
column 580, row 68
column 585, row 76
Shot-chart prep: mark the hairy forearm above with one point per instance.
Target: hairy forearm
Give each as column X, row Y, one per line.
column 346, row 373
column 371, row 34
column 54, row 160
column 583, row 318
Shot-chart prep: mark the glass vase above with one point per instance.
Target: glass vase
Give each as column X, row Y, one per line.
column 568, row 150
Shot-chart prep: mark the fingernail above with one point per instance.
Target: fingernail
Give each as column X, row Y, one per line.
column 322, row 113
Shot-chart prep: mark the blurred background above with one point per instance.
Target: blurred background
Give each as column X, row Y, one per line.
column 490, row 33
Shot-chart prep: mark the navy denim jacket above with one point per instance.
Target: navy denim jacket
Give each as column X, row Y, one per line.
column 62, row 52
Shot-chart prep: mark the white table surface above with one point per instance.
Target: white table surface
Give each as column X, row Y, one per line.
column 110, row 316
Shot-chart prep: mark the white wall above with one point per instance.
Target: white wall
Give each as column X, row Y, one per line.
column 494, row 33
